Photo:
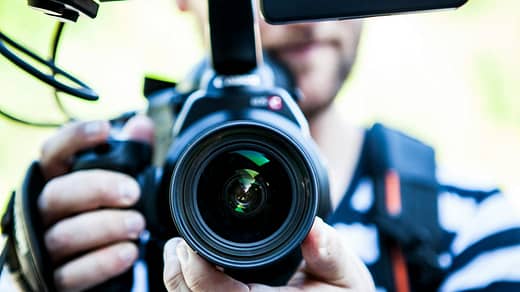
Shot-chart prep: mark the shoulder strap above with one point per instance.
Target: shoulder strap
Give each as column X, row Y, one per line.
column 405, row 209
column 24, row 248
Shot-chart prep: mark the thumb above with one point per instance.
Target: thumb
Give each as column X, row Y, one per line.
column 328, row 258
column 139, row 128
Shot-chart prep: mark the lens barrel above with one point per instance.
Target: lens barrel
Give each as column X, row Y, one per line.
column 245, row 192
column 244, row 196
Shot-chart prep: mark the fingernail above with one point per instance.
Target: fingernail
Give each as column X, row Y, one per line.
column 127, row 253
column 170, row 248
column 134, row 225
column 94, row 128
column 182, row 253
column 129, row 192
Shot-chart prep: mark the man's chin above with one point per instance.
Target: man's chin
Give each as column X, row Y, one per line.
column 312, row 109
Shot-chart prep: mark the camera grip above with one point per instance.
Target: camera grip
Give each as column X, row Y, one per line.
column 129, row 157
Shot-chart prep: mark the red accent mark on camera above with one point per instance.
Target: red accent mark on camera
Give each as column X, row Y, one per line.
column 275, row 103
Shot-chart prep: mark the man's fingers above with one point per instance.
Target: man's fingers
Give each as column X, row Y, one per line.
column 59, row 149
column 328, row 258
column 95, row 267
column 139, row 128
column 84, row 191
column 199, row 275
column 91, row 230
column 172, row 276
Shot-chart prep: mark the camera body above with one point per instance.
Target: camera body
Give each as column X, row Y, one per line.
column 247, row 180
column 242, row 181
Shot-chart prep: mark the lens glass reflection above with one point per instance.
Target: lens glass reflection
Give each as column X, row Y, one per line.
column 244, row 195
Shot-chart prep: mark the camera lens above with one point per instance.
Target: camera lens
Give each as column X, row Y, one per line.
column 244, row 195
column 244, row 192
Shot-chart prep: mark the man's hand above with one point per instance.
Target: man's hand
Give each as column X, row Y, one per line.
column 88, row 234
column 329, row 265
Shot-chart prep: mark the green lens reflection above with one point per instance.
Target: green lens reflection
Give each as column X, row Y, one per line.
column 256, row 157
column 243, row 192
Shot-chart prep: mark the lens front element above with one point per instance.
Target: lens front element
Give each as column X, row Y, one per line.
column 244, row 195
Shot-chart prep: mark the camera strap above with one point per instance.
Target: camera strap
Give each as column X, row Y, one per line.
column 5, row 238
column 405, row 210
column 23, row 249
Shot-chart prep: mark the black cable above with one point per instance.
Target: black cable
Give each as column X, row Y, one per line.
column 56, row 41
column 4, row 51
column 54, row 53
column 29, row 123
column 83, row 91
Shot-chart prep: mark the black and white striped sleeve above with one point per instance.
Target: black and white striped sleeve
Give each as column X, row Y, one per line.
column 485, row 252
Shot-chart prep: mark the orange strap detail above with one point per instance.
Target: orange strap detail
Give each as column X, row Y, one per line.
column 393, row 193
column 394, row 207
column 400, row 270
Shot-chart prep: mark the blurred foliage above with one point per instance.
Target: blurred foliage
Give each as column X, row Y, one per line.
column 451, row 78
column 111, row 54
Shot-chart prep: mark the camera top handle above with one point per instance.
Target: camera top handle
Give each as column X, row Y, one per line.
column 233, row 37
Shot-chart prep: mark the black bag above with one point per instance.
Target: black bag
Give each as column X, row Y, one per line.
column 405, row 210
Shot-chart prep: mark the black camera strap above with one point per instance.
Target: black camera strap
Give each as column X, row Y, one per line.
column 6, row 229
column 405, row 210
column 23, row 230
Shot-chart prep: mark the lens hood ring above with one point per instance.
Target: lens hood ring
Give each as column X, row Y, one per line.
column 258, row 253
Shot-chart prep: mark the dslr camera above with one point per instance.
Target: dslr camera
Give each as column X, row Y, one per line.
column 242, row 180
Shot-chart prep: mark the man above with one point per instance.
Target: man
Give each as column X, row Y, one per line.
column 89, row 233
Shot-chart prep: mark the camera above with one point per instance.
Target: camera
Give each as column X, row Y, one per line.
column 242, row 181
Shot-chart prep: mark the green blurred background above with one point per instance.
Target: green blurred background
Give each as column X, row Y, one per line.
column 450, row 78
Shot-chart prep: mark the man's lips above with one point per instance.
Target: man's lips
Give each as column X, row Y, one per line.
column 300, row 51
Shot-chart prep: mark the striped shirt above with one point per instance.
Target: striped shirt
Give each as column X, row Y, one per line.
column 481, row 236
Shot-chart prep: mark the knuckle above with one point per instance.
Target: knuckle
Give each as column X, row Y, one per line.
column 173, row 281
column 45, row 151
column 48, row 147
column 74, row 130
column 101, row 184
column 197, row 283
column 56, row 239
column 120, row 224
column 109, row 185
column 132, row 222
column 122, row 257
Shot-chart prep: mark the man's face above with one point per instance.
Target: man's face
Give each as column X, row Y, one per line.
column 319, row 55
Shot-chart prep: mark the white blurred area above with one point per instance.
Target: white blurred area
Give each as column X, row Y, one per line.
column 432, row 75
column 435, row 76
